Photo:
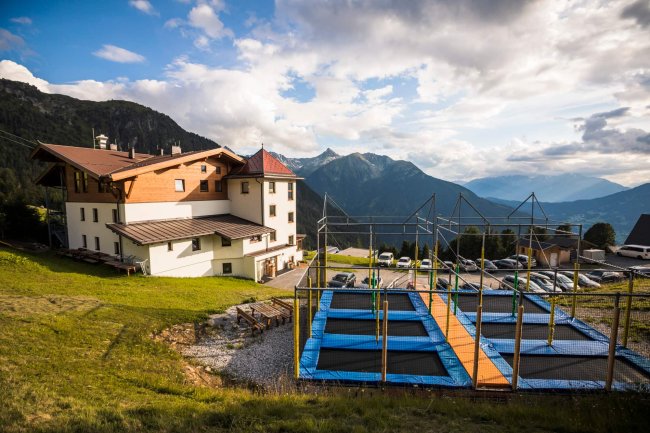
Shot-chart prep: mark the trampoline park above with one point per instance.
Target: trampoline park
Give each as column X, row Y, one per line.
column 435, row 337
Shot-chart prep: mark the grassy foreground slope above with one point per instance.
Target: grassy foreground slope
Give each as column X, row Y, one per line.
column 76, row 355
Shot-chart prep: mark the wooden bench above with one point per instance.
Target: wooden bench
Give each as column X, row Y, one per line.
column 122, row 266
column 252, row 321
column 283, row 305
column 270, row 313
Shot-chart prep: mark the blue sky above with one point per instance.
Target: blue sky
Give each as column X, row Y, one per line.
column 464, row 89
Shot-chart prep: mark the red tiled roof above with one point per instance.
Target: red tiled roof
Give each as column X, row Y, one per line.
column 261, row 164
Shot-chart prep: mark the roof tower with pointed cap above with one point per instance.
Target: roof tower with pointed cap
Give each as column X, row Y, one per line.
column 263, row 164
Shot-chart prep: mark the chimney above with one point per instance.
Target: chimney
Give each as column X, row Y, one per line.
column 113, row 146
column 176, row 150
column 101, row 141
column 131, row 153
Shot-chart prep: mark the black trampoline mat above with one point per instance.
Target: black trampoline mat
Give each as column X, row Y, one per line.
column 494, row 304
column 396, row 328
column 532, row 331
column 363, row 301
column 576, row 368
column 369, row 361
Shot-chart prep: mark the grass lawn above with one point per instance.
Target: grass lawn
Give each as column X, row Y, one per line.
column 76, row 355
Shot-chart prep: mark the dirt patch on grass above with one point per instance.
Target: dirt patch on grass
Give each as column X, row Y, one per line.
column 25, row 306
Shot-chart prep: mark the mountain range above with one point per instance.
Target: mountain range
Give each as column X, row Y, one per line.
column 548, row 188
column 363, row 184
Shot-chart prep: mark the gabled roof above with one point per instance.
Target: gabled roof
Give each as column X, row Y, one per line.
column 151, row 232
column 116, row 165
column 262, row 164
column 95, row 162
column 640, row 234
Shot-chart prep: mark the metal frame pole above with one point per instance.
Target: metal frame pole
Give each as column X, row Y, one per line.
column 516, row 358
column 628, row 308
column 477, row 344
column 384, row 343
column 611, row 358
column 296, row 335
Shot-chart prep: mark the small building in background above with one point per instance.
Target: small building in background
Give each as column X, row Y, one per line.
column 640, row 234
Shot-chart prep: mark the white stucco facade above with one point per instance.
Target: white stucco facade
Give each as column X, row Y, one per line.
column 134, row 212
column 91, row 229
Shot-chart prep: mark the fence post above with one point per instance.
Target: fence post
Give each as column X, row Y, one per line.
column 477, row 344
column 296, row 335
column 551, row 322
column 628, row 308
column 611, row 358
column 309, row 305
column 574, row 301
column 515, row 357
column 384, row 343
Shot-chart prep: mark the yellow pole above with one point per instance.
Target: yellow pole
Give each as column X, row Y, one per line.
column 309, row 306
column 574, row 300
column 296, row 337
column 384, row 344
column 551, row 323
column 477, row 344
column 448, row 312
column 318, row 280
column 530, row 253
column 435, row 272
column 628, row 307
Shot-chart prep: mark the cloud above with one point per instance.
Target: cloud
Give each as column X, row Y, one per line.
column 119, row 55
column 204, row 17
column 144, row 6
column 22, row 20
column 13, row 71
column 639, row 11
column 10, row 42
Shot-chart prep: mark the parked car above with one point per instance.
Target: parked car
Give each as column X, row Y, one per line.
column 365, row 284
column 474, row 286
column 641, row 271
column 404, row 262
column 448, row 264
column 426, row 264
column 507, row 264
column 386, row 259
column 544, row 282
column 508, row 283
column 636, row 251
column 583, row 280
column 467, row 265
column 523, row 259
column 442, row 283
column 488, row 265
column 343, row 279
column 563, row 282
column 605, row 276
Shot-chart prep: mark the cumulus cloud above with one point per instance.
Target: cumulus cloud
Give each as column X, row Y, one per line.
column 639, row 11
column 143, row 6
column 9, row 41
column 205, row 17
column 119, row 55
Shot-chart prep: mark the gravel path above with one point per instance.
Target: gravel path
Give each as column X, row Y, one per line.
column 264, row 359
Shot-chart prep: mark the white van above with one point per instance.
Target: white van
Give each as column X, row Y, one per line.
column 386, row 259
column 636, row 251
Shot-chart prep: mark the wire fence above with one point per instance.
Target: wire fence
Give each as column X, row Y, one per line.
column 437, row 334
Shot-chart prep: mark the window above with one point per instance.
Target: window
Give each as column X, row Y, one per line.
column 96, row 243
column 290, row 190
column 84, row 178
column 255, row 239
column 218, row 170
column 84, row 241
column 179, row 185
column 116, row 247
column 203, row 187
column 272, row 210
column 204, row 168
column 218, row 186
column 272, row 187
column 272, row 237
column 227, row 268
column 290, row 217
column 244, row 187
column 196, row 244
column 77, row 181
column 95, row 215
column 170, row 246
column 291, row 240
column 226, row 242
column 114, row 212
column 83, row 214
